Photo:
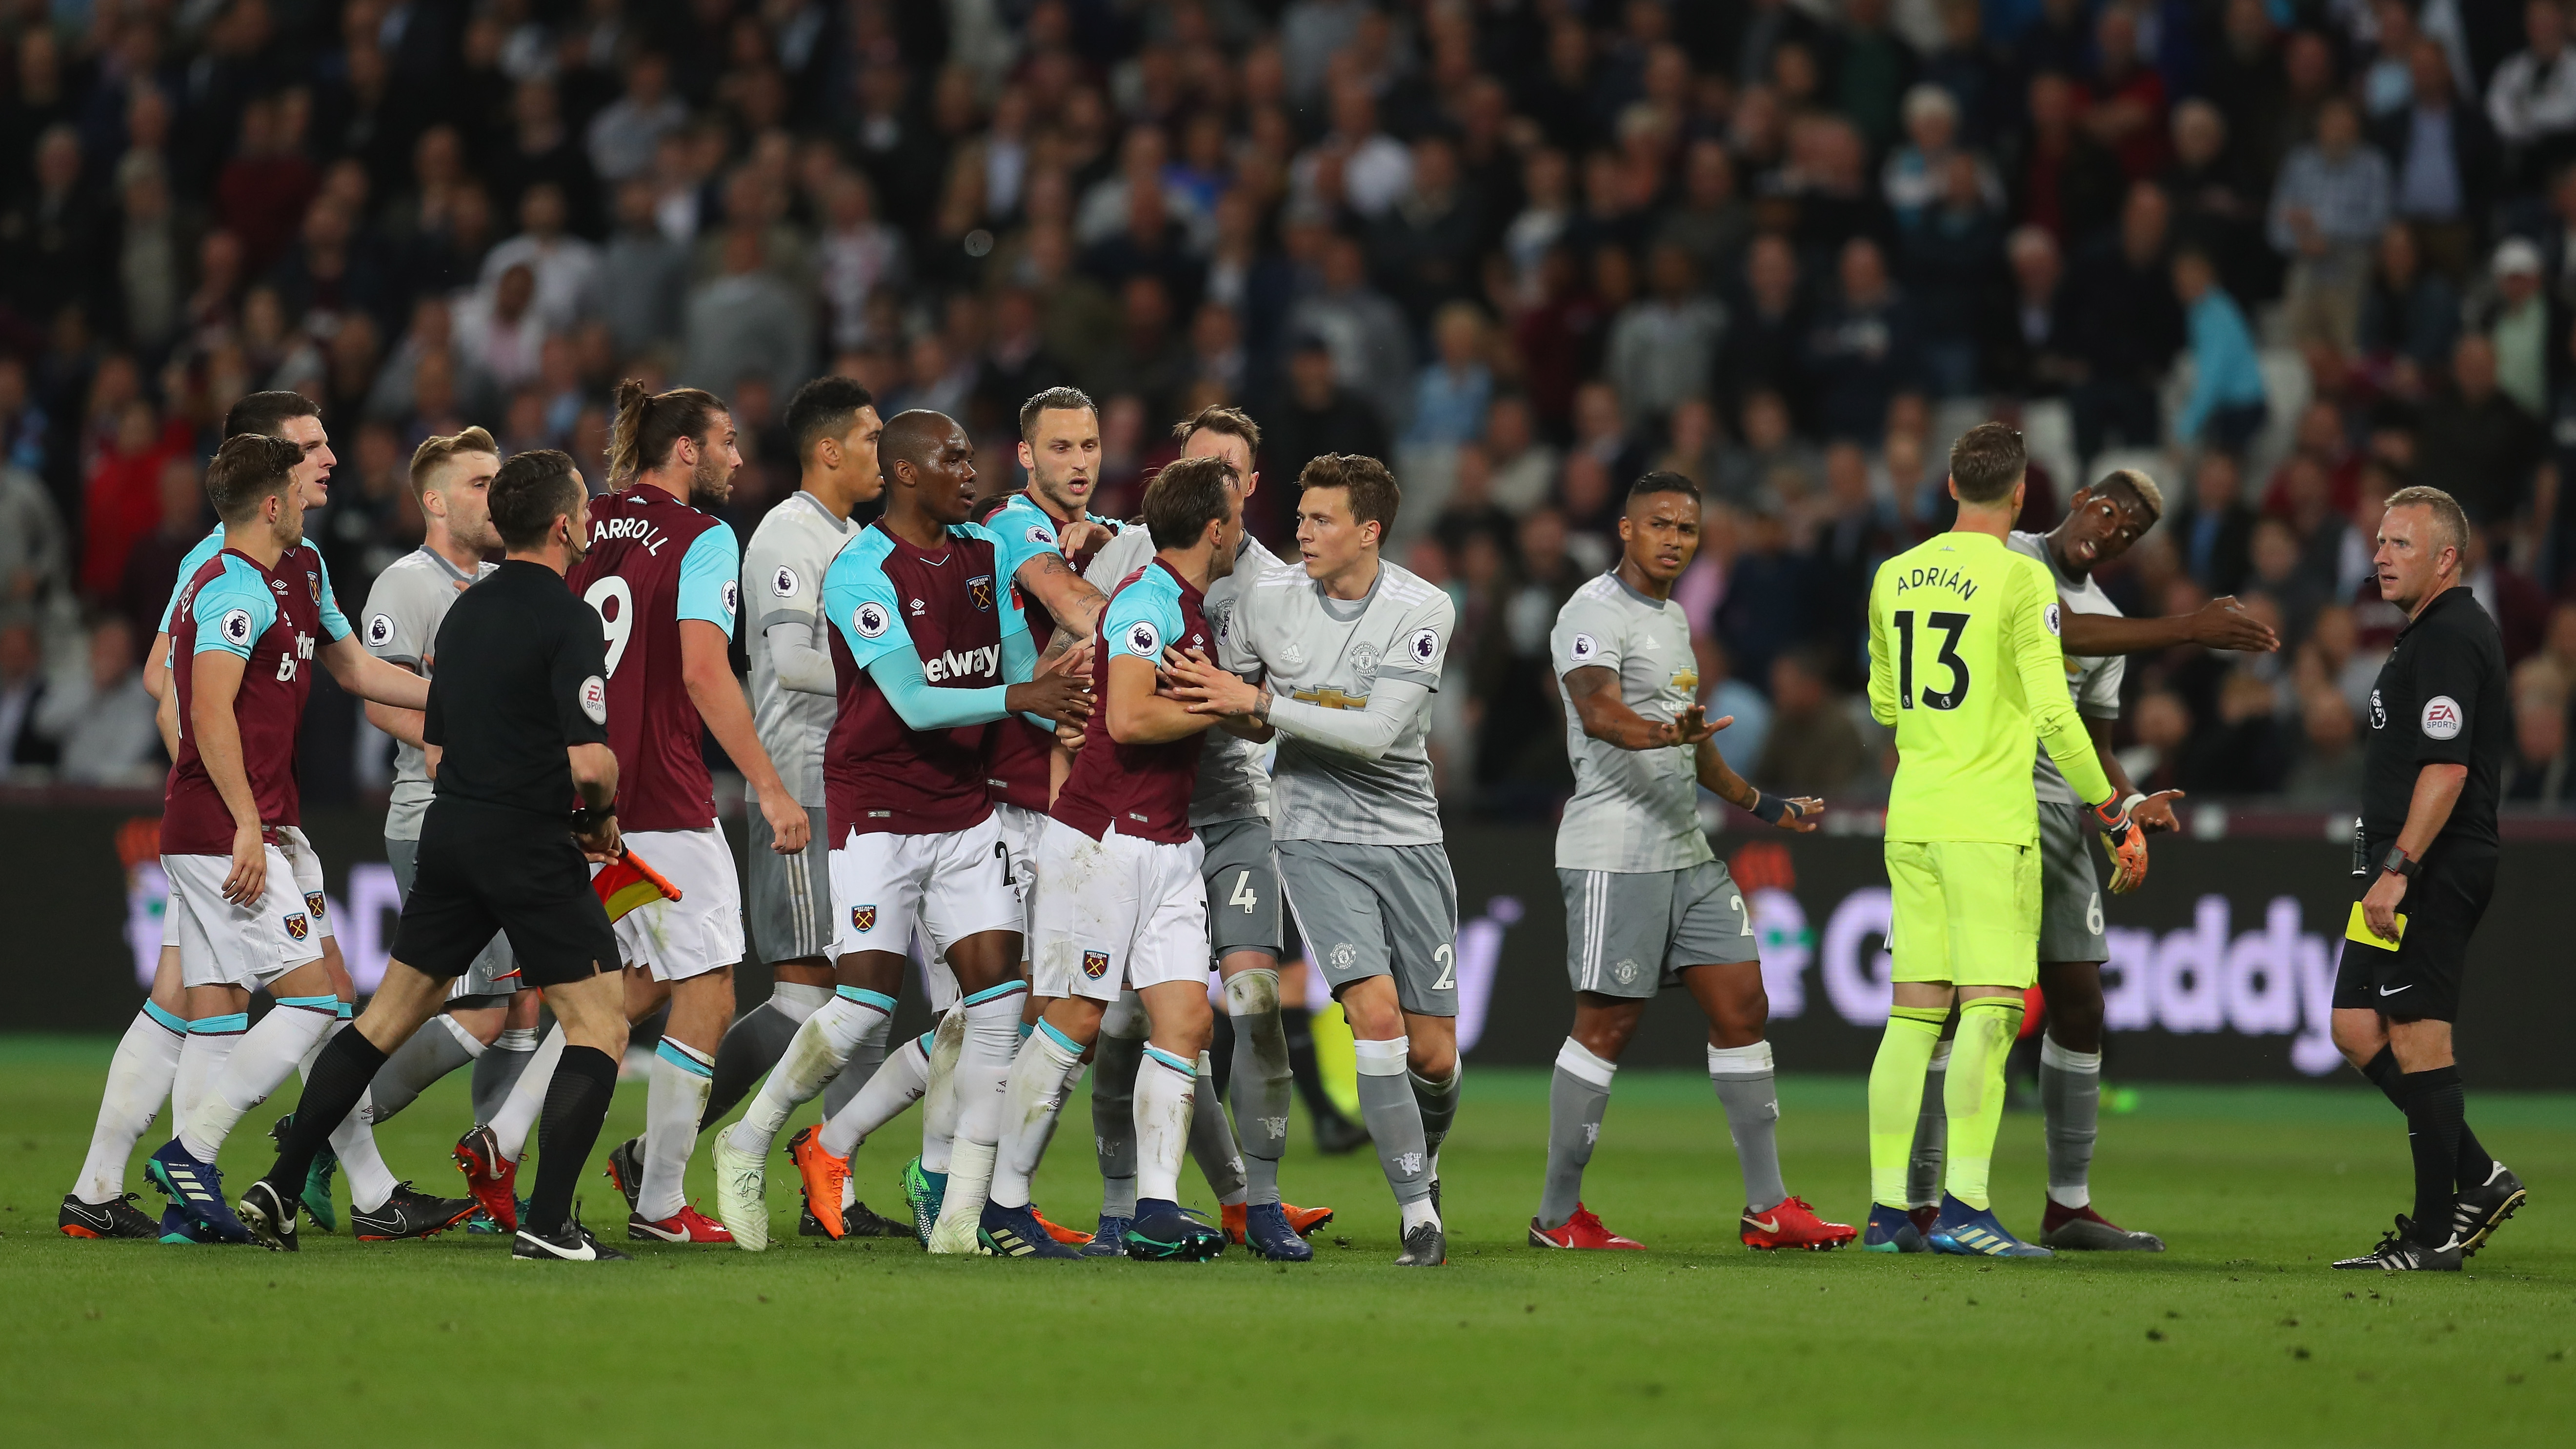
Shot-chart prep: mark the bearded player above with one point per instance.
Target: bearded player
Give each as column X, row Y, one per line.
column 1647, row 904
column 929, row 650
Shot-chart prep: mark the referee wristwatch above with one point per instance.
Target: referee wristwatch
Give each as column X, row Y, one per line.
column 2398, row 863
column 586, row 821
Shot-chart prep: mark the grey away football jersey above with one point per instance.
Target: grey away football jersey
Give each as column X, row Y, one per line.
column 1633, row 810
column 2095, row 683
column 400, row 625
column 782, row 583
column 1332, row 653
column 1232, row 784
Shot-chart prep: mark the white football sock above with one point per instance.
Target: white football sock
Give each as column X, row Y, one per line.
column 897, row 1085
column 210, row 1044
column 821, row 1047
column 518, row 1116
column 354, row 1142
column 939, row 1092
column 139, row 1077
column 674, row 1099
column 983, row 1069
column 1165, row 1090
column 267, row 1053
column 1030, row 1103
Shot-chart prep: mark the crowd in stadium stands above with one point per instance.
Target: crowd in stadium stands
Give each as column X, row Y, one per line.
column 2288, row 255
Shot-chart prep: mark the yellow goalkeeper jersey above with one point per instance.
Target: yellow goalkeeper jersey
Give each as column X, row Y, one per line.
column 1964, row 663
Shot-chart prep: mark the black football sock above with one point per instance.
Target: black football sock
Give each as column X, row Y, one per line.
column 2387, row 1076
column 340, row 1075
column 576, row 1103
column 1221, row 1053
column 2475, row 1165
column 751, row 1046
column 2435, row 1105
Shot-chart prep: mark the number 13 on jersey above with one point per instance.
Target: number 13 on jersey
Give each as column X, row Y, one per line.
column 1949, row 625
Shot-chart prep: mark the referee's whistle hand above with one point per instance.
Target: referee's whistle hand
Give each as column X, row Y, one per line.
column 788, row 828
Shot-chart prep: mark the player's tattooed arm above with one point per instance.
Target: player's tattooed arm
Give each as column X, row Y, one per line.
column 373, row 679
column 1066, row 595
column 1801, row 813
column 1606, row 717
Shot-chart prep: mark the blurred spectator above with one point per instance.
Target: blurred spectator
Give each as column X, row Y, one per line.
column 104, row 729
column 1524, row 466
column 1814, row 748
column 1767, row 330
column 2128, row 325
column 2217, row 206
column 2327, row 772
column 1423, row 247
column 1856, row 534
column 2028, row 342
column 1948, row 262
column 1916, row 177
column 1709, row 221
column 2410, row 315
column 2474, row 443
column 2162, row 725
column 1450, row 398
column 1661, row 347
column 500, row 334
column 1865, row 348
column 151, row 572
column 1316, row 415
column 2246, row 749
column 2532, row 96
column 51, row 232
column 747, row 323
column 2441, row 153
column 858, row 255
column 2539, row 775
column 34, row 551
column 2125, row 99
column 2213, row 532
column 623, row 137
column 1520, row 755
column 2275, row 572
column 1370, row 341
column 121, row 501
column 2068, row 184
column 2524, row 325
column 2226, row 407
column 25, row 749
column 2329, row 206
column 566, row 268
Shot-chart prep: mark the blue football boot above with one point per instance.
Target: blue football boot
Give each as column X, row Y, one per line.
column 196, row 1189
column 1266, row 1232
column 1110, row 1240
column 1164, row 1233
column 1977, row 1233
column 1892, row 1230
column 1015, row 1232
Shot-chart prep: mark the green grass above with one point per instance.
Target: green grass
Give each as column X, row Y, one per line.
column 2238, row 1335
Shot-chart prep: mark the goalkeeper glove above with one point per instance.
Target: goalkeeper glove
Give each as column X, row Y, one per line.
column 2125, row 840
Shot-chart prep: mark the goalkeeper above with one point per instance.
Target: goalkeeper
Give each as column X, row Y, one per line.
column 1965, row 664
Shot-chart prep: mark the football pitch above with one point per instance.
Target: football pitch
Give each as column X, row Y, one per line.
column 2239, row 1335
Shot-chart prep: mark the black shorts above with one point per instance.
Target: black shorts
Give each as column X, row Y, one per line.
column 2421, row 978
column 484, row 870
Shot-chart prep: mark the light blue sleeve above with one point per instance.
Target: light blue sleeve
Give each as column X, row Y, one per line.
column 923, row 708
column 859, row 599
column 233, row 610
column 710, row 579
column 1020, row 532
column 1141, row 620
column 206, row 548
column 335, row 625
column 1019, row 666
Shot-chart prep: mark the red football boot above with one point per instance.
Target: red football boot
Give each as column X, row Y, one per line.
column 1582, row 1230
column 688, row 1225
column 491, row 1177
column 1793, row 1224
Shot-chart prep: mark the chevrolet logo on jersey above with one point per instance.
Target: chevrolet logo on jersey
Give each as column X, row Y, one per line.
column 948, row 664
column 1686, row 680
column 1330, row 698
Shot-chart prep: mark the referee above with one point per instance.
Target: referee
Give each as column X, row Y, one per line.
column 516, row 726
column 2424, row 867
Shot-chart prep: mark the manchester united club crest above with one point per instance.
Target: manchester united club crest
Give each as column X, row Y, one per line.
column 1095, row 964
column 979, row 592
column 863, row 919
column 313, row 903
column 298, row 926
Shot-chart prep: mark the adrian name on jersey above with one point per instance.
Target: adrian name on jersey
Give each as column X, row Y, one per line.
column 1936, row 578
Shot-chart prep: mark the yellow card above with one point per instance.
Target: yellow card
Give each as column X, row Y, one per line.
column 2358, row 930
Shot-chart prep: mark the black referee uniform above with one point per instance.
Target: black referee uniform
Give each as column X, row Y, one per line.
column 2441, row 699
column 526, row 677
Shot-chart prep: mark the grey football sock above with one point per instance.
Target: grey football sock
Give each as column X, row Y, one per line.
column 2070, row 1094
column 1438, row 1103
column 1113, row 1120
column 432, row 1053
column 1931, row 1135
column 1577, row 1096
column 755, row 1042
column 1263, row 1081
column 498, row 1070
column 1212, row 1136
column 1394, row 1120
column 1742, row 1077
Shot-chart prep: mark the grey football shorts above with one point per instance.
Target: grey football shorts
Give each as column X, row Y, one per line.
column 495, row 972
column 1377, row 910
column 1631, row 933
column 2070, row 894
column 1242, row 887
column 789, row 904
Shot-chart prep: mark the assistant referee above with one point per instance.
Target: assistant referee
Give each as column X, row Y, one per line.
column 2424, row 867
column 517, row 724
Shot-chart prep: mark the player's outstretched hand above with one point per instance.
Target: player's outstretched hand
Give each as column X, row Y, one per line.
column 1058, row 694
column 249, row 875
column 789, row 829
column 2222, row 623
column 1204, row 688
column 1693, row 725
column 1072, row 538
column 1805, row 813
column 2156, row 811
column 603, row 845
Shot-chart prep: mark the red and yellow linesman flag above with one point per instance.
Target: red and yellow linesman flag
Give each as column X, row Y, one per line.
column 630, row 883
